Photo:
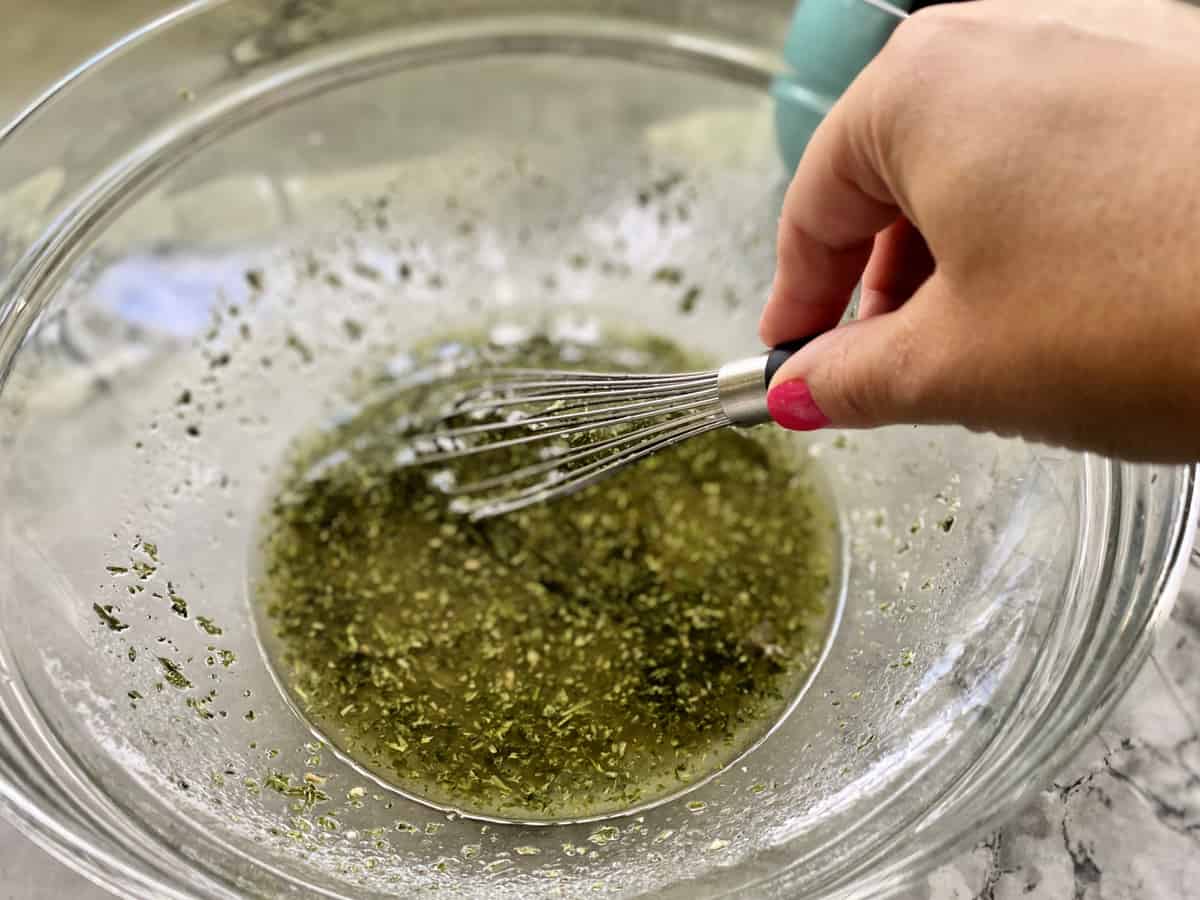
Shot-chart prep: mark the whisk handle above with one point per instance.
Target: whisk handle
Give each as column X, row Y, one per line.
column 742, row 385
column 781, row 354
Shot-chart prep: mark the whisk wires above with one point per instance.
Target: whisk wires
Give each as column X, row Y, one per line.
column 543, row 434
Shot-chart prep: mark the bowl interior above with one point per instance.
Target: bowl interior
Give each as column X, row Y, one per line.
column 402, row 195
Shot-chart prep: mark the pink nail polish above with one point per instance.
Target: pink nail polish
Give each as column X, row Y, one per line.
column 792, row 406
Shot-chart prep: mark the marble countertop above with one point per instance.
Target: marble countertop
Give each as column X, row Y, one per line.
column 1122, row 823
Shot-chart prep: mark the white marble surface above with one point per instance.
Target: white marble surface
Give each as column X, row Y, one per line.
column 1122, row 823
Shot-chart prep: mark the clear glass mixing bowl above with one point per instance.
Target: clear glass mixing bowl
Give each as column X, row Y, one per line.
column 207, row 232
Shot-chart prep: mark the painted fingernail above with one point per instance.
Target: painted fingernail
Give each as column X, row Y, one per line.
column 792, row 406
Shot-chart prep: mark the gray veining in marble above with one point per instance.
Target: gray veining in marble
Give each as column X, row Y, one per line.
column 1122, row 823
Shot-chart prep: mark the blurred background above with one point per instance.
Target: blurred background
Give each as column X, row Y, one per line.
column 40, row 41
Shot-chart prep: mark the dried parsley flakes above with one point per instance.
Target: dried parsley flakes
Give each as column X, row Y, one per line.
column 569, row 659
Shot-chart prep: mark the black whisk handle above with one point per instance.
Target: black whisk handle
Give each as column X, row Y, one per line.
column 781, row 354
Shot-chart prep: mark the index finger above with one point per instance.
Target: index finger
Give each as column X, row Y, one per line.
column 836, row 204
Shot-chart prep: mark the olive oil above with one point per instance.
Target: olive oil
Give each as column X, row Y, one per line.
column 569, row 660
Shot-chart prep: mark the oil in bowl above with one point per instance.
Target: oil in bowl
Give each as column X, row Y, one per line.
column 569, row 661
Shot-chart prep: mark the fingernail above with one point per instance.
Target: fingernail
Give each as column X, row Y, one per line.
column 792, row 406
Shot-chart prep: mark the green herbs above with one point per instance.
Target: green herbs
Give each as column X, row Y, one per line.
column 173, row 674
column 308, row 791
column 108, row 618
column 687, row 303
column 570, row 659
column 178, row 604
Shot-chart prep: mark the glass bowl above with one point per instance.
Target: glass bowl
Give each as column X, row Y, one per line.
column 212, row 229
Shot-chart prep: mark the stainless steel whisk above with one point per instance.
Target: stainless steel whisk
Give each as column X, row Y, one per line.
column 584, row 426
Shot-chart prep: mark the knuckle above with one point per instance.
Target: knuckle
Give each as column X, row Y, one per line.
column 854, row 386
column 908, row 83
column 922, row 37
column 913, row 374
column 928, row 51
column 944, row 367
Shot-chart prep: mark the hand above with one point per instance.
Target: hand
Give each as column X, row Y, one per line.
column 1017, row 183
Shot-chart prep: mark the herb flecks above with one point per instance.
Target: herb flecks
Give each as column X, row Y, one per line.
column 108, row 618
column 307, row 791
column 173, row 674
column 178, row 604
column 567, row 659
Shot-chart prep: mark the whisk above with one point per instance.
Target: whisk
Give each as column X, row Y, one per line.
column 571, row 429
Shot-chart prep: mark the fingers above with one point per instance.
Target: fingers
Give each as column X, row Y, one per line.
column 870, row 163
column 900, row 264
column 835, row 206
column 848, row 216
column 888, row 369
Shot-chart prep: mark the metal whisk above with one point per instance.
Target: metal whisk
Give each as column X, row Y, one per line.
column 573, row 429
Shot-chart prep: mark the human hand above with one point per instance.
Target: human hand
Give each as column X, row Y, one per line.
column 1017, row 183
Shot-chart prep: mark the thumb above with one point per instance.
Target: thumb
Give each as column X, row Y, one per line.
column 878, row 371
